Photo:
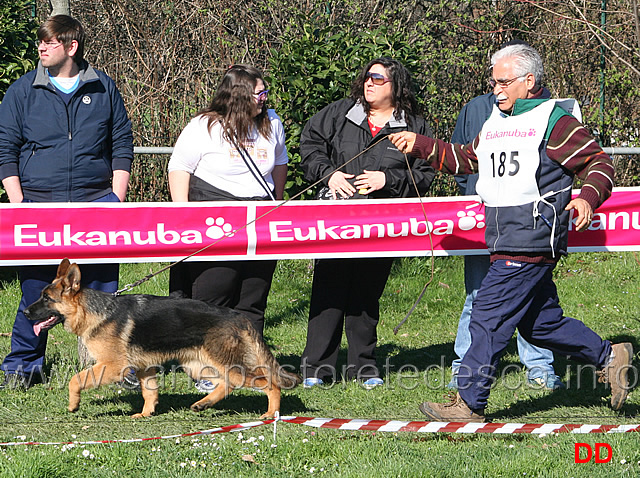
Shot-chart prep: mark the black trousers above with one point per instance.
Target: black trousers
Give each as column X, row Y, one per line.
column 345, row 293
column 240, row 285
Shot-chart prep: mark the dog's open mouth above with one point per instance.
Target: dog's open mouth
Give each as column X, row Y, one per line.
column 45, row 324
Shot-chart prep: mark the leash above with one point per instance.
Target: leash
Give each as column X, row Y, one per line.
column 433, row 260
column 151, row 275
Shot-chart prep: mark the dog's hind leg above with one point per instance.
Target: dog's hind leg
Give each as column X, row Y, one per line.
column 149, row 387
column 94, row 377
column 273, row 395
column 222, row 390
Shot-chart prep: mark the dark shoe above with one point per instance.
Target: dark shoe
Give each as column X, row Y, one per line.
column 615, row 373
column 15, row 381
column 454, row 411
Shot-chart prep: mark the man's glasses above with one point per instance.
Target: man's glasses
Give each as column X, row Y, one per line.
column 376, row 78
column 261, row 96
column 49, row 45
column 503, row 83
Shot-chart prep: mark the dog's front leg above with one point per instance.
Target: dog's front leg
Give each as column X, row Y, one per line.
column 93, row 377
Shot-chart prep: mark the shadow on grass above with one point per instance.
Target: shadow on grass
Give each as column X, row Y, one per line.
column 391, row 358
column 583, row 390
column 290, row 314
column 7, row 275
column 255, row 403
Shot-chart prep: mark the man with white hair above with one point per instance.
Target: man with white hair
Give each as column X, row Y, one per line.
column 527, row 155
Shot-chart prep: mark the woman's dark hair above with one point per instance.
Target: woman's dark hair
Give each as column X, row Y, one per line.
column 233, row 105
column 65, row 29
column 403, row 96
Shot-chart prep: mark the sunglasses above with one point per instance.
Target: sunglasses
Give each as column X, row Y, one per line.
column 376, row 78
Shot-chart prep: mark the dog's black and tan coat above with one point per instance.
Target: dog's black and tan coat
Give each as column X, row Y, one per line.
column 143, row 331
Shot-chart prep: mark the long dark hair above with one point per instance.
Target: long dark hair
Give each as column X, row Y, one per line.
column 233, row 105
column 403, row 97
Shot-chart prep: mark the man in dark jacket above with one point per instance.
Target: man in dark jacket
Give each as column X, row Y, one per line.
column 64, row 136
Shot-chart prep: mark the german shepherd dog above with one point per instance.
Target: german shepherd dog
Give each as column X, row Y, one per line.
column 141, row 331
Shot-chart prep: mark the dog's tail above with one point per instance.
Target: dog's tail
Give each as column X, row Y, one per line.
column 287, row 380
column 280, row 375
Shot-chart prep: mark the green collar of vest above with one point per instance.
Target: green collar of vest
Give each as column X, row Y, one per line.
column 524, row 106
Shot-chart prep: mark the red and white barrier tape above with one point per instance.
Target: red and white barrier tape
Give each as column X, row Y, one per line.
column 457, row 427
column 381, row 426
column 230, row 428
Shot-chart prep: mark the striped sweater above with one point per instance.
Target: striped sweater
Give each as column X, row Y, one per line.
column 569, row 144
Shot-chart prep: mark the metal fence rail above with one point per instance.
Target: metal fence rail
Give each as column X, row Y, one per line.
column 169, row 150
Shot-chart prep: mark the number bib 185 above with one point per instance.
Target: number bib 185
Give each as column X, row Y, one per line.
column 508, row 156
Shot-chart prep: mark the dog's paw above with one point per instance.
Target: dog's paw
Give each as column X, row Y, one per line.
column 269, row 414
column 196, row 407
column 73, row 409
column 140, row 415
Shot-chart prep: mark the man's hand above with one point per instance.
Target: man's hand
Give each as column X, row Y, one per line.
column 585, row 213
column 404, row 141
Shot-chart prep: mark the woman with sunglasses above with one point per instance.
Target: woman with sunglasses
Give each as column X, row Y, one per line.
column 346, row 292
column 233, row 150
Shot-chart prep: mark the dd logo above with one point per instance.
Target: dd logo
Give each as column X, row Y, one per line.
column 589, row 453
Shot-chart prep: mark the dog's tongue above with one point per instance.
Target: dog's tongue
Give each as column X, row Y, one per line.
column 38, row 326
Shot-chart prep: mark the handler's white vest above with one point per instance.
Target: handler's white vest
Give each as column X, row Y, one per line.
column 510, row 153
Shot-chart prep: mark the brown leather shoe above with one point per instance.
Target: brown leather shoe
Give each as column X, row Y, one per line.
column 615, row 373
column 454, row 411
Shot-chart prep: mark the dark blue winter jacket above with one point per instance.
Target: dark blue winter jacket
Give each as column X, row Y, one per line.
column 64, row 152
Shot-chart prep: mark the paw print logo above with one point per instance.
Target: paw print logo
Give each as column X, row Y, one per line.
column 218, row 228
column 532, row 132
column 470, row 219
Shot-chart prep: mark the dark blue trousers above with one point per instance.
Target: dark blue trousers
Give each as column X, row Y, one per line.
column 518, row 295
column 27, row 349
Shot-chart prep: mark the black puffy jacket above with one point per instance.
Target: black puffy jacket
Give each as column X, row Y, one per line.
column 340, row 131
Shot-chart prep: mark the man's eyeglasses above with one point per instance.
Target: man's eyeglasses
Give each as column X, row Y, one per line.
column 261, row 96
column 376, row 78
column 503, row 83
column 49, row 45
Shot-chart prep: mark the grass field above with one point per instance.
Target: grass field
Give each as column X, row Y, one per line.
column 602, row 289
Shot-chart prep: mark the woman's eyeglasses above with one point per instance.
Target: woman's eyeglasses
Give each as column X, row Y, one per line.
column 261, row 96
column 376, row 78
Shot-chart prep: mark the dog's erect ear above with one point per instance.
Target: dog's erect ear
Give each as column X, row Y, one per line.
column 71, row 281
column 62, row 268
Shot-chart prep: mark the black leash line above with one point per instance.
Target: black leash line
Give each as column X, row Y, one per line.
column 255, row 171
column 433, row 260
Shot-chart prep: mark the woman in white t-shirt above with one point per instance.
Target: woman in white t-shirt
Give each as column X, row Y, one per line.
column 234, row 149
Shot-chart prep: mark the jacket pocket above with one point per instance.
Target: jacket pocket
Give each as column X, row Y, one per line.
column 25, row 163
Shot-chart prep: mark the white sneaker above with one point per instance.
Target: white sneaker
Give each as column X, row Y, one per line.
column 312, row 382
column 373, row 383
column 205, row 386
